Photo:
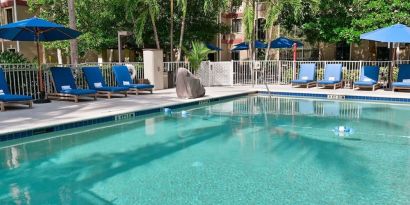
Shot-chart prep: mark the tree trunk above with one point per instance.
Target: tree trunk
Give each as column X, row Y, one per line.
column 171, row 33
column 268, row 48
column 181, row 37
column 73, row 25
column 154, row 27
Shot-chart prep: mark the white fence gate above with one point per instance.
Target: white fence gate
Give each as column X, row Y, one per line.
column 216, row 73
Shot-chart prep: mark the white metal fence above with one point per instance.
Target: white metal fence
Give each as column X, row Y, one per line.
column 23, row 80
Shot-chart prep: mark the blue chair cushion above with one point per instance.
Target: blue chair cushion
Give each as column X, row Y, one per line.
column 301, row 81
column 79, row 92
column 365, row 83
column 14, row 98
column 401, row 84
column 141, row 86
column 112, row 89
column 327, row 82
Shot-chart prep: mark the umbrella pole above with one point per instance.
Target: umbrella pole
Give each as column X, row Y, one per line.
column 40, row 77
column 391, row 56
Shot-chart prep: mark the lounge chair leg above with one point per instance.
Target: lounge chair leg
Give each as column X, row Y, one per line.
column 30, row 104
column 109, row 96
column 95, row 97
column 2, row 107
column 76, row 99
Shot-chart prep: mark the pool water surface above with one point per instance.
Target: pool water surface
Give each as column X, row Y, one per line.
column 248, row 150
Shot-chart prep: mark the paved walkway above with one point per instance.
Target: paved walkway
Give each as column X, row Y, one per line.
column 61, row 112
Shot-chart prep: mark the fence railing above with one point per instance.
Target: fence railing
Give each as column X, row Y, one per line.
column 23, row 78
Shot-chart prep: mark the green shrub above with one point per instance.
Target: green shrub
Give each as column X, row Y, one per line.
column 8, row 57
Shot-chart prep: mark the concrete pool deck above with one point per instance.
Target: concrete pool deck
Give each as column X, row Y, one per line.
column 16, row 119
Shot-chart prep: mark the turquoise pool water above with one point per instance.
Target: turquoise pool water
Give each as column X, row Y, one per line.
column 250, row 150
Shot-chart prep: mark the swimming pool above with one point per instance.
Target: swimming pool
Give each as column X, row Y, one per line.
column 248, row 150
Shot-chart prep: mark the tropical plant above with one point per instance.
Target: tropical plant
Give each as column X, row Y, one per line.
column 197, row 54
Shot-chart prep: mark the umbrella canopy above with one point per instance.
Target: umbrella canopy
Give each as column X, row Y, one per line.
column 212, row 47
column 36, row 29
column 397, row 33
column 283, row 42
column 245, row 46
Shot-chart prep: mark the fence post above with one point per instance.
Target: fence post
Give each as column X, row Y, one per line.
column 231, row 73
column 279, row 71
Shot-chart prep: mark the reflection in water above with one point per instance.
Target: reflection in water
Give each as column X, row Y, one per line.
column 290, row 106
column 20, row 196
column 13, row 158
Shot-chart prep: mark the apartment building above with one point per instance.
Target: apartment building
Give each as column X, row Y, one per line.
column 12, row 11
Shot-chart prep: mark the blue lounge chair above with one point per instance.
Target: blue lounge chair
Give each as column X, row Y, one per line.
column 95, row 81
column 403, row 80
column 6, row 98
column 65, row 86
column 369, row 78
column 333, row 76
column 307, row 75
column 123, row 78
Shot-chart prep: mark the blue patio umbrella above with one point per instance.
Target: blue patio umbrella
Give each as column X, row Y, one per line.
column 397, row 33
column 212, row 47
column 283, row 42
column 37, row 29
column 245, row 46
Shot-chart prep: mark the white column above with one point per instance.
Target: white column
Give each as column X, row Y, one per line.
column 154, row 67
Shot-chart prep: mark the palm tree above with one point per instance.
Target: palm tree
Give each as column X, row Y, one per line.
column 171, row 33
column 183, row 5
column 145, row 9
column 249, row 24
column 215, row 5
column 275, row 8
column 73, row 25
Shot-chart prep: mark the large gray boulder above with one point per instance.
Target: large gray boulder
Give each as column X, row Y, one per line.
column 187, row 85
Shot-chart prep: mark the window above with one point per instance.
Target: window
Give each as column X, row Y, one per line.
column 235, row 55
column 13, row 50
column 342, row 51
column 9, row 15
column 236, row 25
column 383, row 54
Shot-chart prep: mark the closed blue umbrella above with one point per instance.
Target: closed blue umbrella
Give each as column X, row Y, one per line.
column 283, row 42
column 37, row 29
column 212, row 47
column 397, row 33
